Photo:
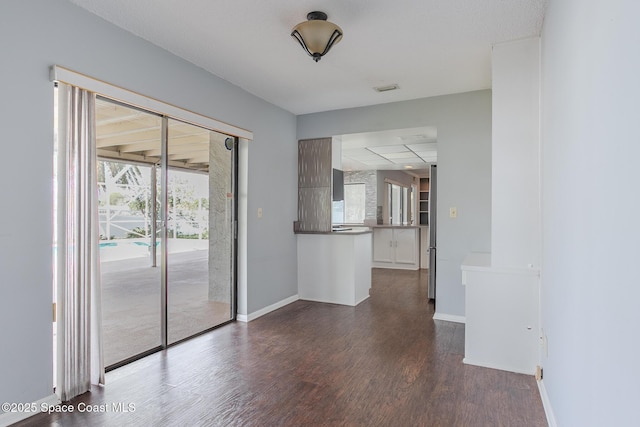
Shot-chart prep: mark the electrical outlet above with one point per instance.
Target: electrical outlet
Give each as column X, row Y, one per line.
column 453, row 212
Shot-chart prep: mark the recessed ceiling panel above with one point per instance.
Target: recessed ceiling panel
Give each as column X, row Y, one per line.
column 376, row 162
column 398, row 156
column 387, row 149
column 369, row 157
column 355, row 151
column 410, row 161
column 426, row 146
column 426, row 153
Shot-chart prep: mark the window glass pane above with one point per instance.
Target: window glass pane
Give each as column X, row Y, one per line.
column 354, row 203
column 396, row 204
column 200, row 234
column 400, row 202
column 128, row 147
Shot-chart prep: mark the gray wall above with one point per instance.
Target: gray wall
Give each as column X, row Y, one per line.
column 464, row 170
column 590, row 205
column 37, row 34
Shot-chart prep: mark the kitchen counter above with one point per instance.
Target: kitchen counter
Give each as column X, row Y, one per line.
column 359, row 229
column 335, row 269
column 344, row 230
column 397, row 226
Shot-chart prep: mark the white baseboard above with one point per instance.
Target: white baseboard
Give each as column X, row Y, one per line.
column 546, row 404
column 253, row 316
column 390, row 266
column 330, row 301
column 508, row 368
column 8, row 418
column 449, row 318
column 365, row 298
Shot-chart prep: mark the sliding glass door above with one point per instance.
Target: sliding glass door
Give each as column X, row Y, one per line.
column 167, row 217
column 128, row 209
column 199, row 229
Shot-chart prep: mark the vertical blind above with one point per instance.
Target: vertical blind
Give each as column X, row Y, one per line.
column 79, row 350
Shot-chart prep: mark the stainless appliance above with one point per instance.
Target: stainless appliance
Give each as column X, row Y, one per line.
column 433, row 202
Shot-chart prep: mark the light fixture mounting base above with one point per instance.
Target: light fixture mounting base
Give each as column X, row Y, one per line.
column 316, row 16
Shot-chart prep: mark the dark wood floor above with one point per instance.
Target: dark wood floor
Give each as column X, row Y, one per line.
column 382, row 363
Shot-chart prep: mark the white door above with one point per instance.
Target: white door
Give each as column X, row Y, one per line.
column 383, row 245
column 405, row 246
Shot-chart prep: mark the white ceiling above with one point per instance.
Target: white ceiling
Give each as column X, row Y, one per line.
column 427, row 47
column 412, row 150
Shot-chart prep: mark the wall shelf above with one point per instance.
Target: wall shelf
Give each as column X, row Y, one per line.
column 424, row 201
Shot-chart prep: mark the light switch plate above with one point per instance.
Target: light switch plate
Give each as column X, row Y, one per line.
column 453, row 212
column 259, row 212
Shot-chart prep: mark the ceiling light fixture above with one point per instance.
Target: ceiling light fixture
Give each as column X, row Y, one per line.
column 317, row 35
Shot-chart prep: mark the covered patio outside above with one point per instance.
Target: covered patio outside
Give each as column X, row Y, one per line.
column 131, row 300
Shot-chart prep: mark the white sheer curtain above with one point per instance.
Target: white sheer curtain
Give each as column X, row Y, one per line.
column 79, row 344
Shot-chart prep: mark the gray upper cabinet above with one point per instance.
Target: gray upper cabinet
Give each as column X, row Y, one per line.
column 314, row 185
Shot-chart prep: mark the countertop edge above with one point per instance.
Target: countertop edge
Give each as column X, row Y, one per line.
column 397, row 226
column 335, row 233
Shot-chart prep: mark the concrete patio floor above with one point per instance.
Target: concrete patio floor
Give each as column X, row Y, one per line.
column 131, row 303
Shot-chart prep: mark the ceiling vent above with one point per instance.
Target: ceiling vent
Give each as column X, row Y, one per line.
column 386, row 88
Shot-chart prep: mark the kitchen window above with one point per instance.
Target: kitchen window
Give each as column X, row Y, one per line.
column 354, row 203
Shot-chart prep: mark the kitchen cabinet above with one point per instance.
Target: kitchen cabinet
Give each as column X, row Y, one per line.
column 424, row 247
column 396, row 247
column 383, row 250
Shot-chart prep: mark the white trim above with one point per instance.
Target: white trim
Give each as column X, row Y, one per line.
column 243, row 191
column 481, row 262
column 498, row 366
column 400, row 184
column 266, row 310
column 394, row 266
column 546, row 404
column 61, row 74
column 365, row 298
column 8, row 418
column 330, row 301
column 449, row 318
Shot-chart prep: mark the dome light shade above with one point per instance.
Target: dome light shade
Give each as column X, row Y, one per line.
column 317, row 35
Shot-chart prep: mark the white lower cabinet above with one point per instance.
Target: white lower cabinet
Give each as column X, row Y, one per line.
column 424, row 247
column 396, row 247
column 383, row 250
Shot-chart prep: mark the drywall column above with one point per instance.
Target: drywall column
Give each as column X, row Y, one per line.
column 515, row 155
column 502, row 288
